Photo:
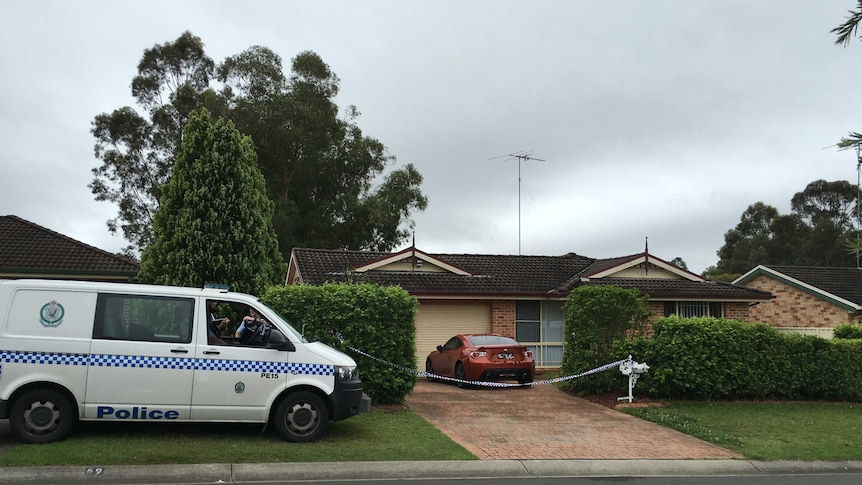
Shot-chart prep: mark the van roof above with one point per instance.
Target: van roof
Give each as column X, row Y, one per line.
column 121, row 287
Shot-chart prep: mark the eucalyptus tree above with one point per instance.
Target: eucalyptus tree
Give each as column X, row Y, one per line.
column 320, row 168
column 822, row 222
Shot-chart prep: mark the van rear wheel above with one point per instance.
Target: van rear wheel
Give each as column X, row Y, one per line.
column 300, row 417
column 42, row 416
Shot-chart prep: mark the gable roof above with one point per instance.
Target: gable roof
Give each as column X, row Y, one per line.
column 840, row 286
column 29, row 250
column 506, row 275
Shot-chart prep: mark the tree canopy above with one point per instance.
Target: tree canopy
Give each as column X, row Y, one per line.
column 822, row 221
column 320, row 169
column 214, row 224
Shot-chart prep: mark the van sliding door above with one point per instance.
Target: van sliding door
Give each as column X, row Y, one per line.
column 142, row 358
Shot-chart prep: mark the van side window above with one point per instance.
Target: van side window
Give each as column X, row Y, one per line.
column 144, row 318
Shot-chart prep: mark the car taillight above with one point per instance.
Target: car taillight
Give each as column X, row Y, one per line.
column 528, row 354
column 477, row 355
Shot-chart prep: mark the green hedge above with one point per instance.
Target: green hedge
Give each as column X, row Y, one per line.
column 377, row 320
column 847, row 331
column 709, row 358
column 596, row 316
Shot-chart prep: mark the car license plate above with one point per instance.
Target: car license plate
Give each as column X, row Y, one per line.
column 505, row 355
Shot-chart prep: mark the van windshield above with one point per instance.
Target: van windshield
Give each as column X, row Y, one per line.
column 288, row 326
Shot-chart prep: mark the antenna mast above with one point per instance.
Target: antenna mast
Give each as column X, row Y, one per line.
column 522, row 156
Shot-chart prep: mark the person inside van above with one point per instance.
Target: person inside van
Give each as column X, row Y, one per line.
column 250, row 325
column 216, row 325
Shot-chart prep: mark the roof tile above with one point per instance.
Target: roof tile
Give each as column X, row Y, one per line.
column 503, row 275
column 30, row 248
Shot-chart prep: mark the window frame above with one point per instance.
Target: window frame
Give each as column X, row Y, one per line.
column 540, row 348
column 713, row 309
column 146, row 333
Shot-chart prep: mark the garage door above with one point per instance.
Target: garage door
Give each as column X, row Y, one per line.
column 438, row 322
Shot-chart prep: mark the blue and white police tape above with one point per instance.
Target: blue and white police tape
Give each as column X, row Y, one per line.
column 430, row 375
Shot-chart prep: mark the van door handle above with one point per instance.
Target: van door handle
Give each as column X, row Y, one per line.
column 211, row 352
column 180, row 351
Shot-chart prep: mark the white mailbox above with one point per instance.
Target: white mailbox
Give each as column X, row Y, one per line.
column 633, row 370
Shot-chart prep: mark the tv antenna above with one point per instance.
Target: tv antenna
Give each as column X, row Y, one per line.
column 521, row 156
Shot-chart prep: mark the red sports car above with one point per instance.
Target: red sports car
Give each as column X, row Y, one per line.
column 487, row 357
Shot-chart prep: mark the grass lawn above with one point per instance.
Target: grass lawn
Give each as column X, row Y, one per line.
column 381, row 435
column 768, row 431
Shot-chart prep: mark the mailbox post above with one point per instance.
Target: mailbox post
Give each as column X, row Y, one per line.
column 633, row 370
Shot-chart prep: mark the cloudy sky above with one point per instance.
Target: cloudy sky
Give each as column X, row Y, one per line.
column 660, row 119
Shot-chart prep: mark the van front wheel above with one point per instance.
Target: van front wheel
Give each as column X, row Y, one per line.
column 42, row 416
column 300, row 417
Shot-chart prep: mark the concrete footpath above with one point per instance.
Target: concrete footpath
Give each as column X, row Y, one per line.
column 524, row 433
column 349, row 471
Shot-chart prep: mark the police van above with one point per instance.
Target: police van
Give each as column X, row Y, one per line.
column 74, row 350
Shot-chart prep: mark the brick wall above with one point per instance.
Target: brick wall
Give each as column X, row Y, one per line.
column 738, row 311
column 503, row 317
column 794, row 308
column 732, row 310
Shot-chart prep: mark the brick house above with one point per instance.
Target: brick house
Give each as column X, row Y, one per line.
column 28, row 250
column 808, row 299
column 517, row 296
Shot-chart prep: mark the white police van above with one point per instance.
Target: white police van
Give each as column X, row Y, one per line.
column 73, row 350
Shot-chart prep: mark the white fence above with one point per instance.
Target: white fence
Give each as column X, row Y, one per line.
column 822, row 332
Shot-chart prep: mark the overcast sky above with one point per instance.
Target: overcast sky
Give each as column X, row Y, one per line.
column 658, row 119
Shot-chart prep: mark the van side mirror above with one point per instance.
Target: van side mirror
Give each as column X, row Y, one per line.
column 439, row 348
column 278, row 341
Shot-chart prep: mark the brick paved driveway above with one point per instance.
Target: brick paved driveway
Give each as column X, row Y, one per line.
column 542, row 422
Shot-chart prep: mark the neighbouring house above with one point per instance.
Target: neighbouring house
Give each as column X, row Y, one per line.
column 28, row 250
column 517, row 296
column 808, row 299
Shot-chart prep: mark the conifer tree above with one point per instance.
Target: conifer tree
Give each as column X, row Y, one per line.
column 214, row 222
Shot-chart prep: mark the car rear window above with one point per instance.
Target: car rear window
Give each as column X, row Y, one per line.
column 479, row 340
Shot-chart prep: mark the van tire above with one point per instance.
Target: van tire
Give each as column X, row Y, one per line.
column 42, row 416
column 300, row 417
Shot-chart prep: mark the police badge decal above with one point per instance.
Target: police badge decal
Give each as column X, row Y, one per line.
column 51, row 314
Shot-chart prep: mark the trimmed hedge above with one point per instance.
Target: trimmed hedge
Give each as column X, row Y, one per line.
column 710, row 358
column 847, row 331
column 596, row 316
column 375, row 319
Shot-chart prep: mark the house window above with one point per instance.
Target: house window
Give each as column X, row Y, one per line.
column 690, row 309
column 540, row 326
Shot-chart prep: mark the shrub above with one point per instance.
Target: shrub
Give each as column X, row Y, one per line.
column 847, row 331
column 710, row 358
column 377, row 320
column 595, row 317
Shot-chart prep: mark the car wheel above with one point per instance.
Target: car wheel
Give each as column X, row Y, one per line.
column 300, row 417
column 525, row 379
column 460, row 375
column 42, row 416
column 430, row 370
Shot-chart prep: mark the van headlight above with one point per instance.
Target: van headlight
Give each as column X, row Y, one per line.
column 346, row 373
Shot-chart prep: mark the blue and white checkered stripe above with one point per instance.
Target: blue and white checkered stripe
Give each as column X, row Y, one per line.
column 240, row 366
column 47, row 358
column 145, row 362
